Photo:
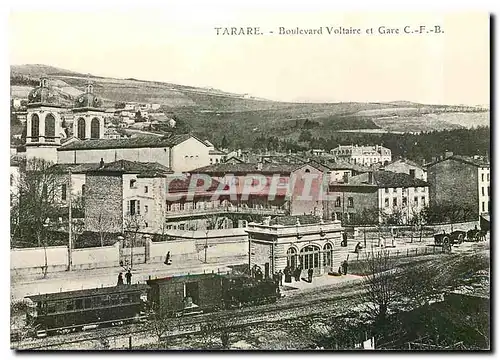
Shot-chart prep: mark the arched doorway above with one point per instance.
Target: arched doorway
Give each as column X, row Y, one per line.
column 328, row 255
column 50, row 127
column 291, row 258
column 35, row 127
column 95, row 129
column 81, row 129
column 309, row 257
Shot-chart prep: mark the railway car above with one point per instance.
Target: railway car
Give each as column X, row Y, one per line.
column 186, row 294
column 196, row 294
column 76, row 310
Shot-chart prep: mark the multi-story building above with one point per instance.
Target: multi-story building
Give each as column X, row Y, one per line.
column 116, row 201
column 377, row 197
column 296, row 189
column 407, row 167
column 340, row 171
column 178, row 152
column 462, row 181
column 363, row 155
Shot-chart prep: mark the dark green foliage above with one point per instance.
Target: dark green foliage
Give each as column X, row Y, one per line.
column 19, row 79
column 445, row 213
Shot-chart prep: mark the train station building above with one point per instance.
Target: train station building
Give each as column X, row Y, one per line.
column 294, row 241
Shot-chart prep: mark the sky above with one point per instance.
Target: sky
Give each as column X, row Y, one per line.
column 178, row 44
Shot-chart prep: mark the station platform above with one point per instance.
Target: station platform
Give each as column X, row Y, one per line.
column 318, row 281
column 22, row 286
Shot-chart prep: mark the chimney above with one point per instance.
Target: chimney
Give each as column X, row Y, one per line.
column 101, row 163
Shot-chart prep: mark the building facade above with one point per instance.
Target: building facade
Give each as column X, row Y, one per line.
column 179, row 152
column 363, row 155
column 377, row 197
column 274, row 245
column 462, row 181
column 295, row 189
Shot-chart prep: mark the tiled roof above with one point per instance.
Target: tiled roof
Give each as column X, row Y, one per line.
column 233, row 158
column 182, row 185
column 216, row 152
column 144, row 169
column 127, row 166
column 406, row 161
column 250, row 168
column 388, row 179
column 343, row 165
column 75, row 168
column 464, row 159
column 138, row 142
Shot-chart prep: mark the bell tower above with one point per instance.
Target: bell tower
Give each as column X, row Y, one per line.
column 88, row 116
column 43, row 122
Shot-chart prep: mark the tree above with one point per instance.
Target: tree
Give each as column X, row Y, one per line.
column 214, row 222
column 382, row 289
column 38, row 186
column 132, row 225
column 103, row 222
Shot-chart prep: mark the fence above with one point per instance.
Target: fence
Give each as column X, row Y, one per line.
column 398, row 252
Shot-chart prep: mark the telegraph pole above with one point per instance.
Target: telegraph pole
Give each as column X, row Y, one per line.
column 206, row 245
column 70, row 222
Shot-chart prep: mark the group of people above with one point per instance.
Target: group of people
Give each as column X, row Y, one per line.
column 128, row 277
column 278, row 278
column 290, row 272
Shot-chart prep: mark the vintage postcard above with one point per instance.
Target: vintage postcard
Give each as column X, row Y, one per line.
column 249, row 179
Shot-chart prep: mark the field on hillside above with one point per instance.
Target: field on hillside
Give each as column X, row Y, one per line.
column 213, row 113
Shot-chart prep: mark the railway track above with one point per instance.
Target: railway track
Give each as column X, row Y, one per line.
column 330, row 299
column 287, row 307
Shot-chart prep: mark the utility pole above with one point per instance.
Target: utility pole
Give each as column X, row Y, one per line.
column 206, row 245
column 70, row 222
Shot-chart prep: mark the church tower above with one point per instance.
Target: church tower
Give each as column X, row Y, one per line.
column 88, row 120
column 43, row 122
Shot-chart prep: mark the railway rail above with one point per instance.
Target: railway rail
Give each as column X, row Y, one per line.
column 295, row 304
column 286, row 308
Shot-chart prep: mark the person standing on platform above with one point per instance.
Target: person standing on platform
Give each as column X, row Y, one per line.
column 128, row 276
column 120, row 279
column 280, row 277
column 344, row 267
column 310, row 275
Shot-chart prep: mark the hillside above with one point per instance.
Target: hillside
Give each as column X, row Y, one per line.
column 213, row 113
